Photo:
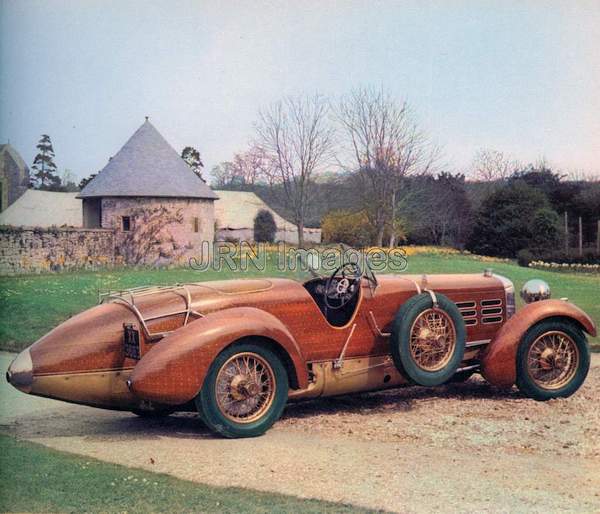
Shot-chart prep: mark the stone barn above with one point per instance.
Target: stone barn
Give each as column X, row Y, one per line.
column 160, row 210
column 43, row 209
column 14, row 176
column 235, row 212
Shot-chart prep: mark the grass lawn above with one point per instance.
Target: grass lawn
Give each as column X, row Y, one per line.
column 37, row 479
column 33, row 304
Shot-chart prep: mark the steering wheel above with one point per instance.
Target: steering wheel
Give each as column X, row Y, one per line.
column 341, row 287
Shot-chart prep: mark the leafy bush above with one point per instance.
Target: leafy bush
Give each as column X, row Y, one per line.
column 558, row 257
column 355, row 229
column 524, row 257
column 264, row 227
column 588, row 257
column 512, row 218
column 545, row 231
column 351, row 228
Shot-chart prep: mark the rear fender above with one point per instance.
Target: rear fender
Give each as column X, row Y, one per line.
column 173, row 371
column 498, row 364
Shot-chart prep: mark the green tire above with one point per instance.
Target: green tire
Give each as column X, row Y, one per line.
column 527, row 367
column 214, row 413
column 402, row 327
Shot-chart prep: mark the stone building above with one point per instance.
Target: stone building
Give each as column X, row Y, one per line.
column 145, row 207
column 160, row 210
column 14, row 176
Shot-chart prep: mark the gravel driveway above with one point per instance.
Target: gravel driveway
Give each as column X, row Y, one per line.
column 466, row 447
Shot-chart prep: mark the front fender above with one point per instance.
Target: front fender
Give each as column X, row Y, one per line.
column 173, row 371
column 498, row 364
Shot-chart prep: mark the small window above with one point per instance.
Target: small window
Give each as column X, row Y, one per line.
column 126, row 223
column 196, row 225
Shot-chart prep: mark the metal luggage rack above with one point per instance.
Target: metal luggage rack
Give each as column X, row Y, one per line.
column 128, row 296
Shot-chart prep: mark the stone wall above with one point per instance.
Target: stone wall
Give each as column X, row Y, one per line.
column 311, row 235
column 161, row 230
column 38, row 250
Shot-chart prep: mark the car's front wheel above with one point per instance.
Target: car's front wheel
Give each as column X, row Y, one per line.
column 244, row 392
column 553, row 360
column 427, row 340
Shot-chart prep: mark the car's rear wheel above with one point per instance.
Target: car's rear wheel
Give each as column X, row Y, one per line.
column 553, row 360
column 244, row 392
column 427, row 340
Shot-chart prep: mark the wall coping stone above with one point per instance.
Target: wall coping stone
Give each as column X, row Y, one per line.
column 14, row 228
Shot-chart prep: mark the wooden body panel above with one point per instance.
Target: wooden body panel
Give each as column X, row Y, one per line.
column 498, row 363
column 90, row 341
column 289, row 302
column 172, row 369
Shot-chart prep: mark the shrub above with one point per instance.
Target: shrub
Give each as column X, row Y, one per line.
column 524, row 257
column 264, row 227
column 527, row 257
column 504, row 225
column 588, row 257
column 351, row 228
column 355, row 229
column 545, row 231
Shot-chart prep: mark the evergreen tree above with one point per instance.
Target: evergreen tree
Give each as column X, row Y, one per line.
column 192, row 158
column 514, row 218
column 85, row 181
column 44, row 176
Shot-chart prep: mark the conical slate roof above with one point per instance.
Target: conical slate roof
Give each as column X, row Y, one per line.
column 147, row 166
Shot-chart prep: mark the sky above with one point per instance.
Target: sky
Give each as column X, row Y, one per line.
column 521, row 77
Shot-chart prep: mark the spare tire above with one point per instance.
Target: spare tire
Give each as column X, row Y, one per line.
column 427, row 340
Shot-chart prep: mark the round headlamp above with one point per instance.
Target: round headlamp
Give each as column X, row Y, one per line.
column 535, row 290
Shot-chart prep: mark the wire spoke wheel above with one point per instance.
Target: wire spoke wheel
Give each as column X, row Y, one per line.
column 245, row 387
column 432, row 339
column 552, row 360
column 428, row 339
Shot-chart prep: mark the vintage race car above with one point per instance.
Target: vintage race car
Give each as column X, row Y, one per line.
column 236, row 351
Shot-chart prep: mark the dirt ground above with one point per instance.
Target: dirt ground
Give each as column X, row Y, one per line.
column 466, row 447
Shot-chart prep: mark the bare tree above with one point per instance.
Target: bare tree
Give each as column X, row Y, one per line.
column 297, row 139
column 252, row 165
column 441, row 212
column 223, row 174
column 579, row 175
column 491, row 166
column 385, row 147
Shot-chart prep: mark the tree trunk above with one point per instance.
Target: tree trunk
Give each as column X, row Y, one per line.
column 566, row 233
column 300, row 227
column 380, row 231
column 393, row 231
column 580, row 238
